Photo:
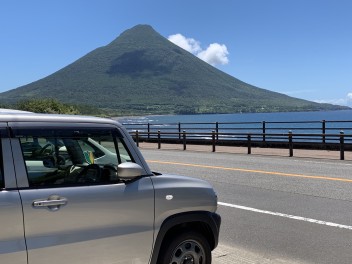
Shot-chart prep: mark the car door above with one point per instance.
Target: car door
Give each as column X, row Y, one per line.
column 12, row 241
column 75, row 208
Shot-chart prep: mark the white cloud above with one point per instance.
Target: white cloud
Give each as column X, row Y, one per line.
column 189, row 44
column 349, row 96
column 214, row 54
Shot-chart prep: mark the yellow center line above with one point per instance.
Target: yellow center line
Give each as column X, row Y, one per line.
column 253, row 171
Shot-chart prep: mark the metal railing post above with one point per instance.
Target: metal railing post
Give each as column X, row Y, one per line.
column 342, row 146
column 184, row 139
column 249, row 144
column 179, row 130
column 213, row 139
column 159, row 140
column 217, row 130
column 290, row 143
column 264, row 130
column 137, row 138
column 323, row 130
column 148, row 131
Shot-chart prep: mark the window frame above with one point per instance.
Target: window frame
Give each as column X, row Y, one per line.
column 4, row 134
column 57, row 133
column 2, row 176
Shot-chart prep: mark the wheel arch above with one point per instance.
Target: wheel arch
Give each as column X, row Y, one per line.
column 206, row 223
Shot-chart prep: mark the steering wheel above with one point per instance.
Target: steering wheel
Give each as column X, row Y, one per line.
column 44, row 149
column 53, row 161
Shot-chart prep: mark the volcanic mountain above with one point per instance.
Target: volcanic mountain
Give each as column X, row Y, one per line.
column 141, row 73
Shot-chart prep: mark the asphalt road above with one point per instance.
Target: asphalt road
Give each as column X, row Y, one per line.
column 274, row 209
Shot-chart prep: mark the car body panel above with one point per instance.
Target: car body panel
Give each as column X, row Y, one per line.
column 12, row 239
column 96, row 219
column 176, row 194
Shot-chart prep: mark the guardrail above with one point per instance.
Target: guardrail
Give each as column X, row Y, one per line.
column 290, row 140
column 265, row 128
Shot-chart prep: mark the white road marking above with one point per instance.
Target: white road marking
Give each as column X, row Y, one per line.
column 300, row 218
column 343, row 163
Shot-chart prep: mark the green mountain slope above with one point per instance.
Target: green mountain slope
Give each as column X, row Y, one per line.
column 141, row 72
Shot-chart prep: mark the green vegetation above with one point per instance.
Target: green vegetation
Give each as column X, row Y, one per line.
column 142, row 73
column 46, row 105
column 53, row 106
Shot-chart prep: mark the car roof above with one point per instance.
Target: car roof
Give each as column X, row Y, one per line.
column 54, row 118
column 11, row 111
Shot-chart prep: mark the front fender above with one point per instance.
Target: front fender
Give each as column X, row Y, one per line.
column 211, row 220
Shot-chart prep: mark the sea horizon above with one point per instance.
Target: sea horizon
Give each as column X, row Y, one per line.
column 336, row 115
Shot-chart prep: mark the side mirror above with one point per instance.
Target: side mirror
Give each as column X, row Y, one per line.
column 129, row 170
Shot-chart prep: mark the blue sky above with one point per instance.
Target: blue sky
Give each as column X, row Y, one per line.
column 302, row 48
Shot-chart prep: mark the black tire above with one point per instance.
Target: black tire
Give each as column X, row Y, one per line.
column 186, row 248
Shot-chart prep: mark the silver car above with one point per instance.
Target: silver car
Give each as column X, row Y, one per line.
column 77, row 190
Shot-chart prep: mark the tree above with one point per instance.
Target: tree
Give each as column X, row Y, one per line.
column 46, row 105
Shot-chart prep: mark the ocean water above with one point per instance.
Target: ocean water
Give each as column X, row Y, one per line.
column 345, row 115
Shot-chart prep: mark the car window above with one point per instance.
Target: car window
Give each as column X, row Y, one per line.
column 65, row 159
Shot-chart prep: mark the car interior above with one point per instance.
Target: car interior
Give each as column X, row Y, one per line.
column 78, row 160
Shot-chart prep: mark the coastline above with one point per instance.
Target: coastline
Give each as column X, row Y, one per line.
column 336, row 115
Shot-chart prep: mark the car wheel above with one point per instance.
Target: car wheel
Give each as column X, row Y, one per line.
column 186, row 248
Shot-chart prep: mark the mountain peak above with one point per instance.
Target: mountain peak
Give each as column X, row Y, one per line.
column 137, row 33
column 141, row 27
column 141, row 73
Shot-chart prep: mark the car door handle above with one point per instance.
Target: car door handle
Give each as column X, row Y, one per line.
column 53, row 203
